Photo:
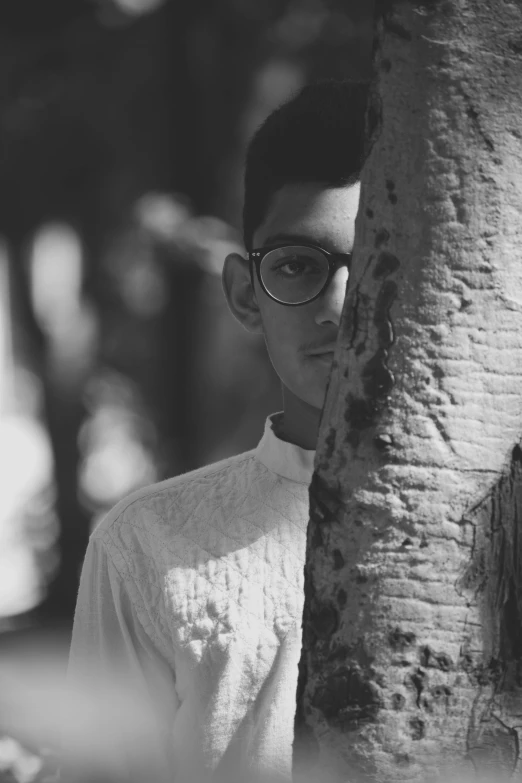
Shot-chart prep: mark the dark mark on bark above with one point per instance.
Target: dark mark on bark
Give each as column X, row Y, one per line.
column 516, row 45
column 338, row 559
column 407, row 543
column 386, row 65
column 387, row 263
column 330, row 443
column 339, row 652
column 439, row 426
column 349, row 697
column 369, row 213
column 428, row 658
column 402, row 759
column 390, row 184
column 417, row 679
column 444, row 662
column 324, row 503
column 392, row 198
column 323, row 619
column 342, row 597
column 377, row 380
column 385, row 299
column 423, row 541
column 475, row 119
column 441, row 692
column 358, row 301
column 400, row 640
column 353, row 437
column 418, row 728
column 398, row 701
column 480, row 673
column 373, row 120
column 381, row 237
column 491, row 673
column 358, row 415
column 466, row 663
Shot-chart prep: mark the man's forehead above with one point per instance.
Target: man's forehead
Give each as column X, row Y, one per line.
column 311, row 212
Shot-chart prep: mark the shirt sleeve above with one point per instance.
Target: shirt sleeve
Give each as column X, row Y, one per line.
column 122, row 692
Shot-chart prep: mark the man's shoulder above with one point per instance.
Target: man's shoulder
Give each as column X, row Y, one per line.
column 171, row 503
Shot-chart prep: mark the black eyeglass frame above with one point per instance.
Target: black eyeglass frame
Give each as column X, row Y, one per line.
column 256, row 256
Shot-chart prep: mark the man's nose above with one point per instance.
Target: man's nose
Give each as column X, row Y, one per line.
column 330, row 303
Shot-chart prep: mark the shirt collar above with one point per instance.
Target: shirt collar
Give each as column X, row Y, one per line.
column 283, row 458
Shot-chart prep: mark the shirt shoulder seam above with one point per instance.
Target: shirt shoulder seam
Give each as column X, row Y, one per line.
column 125, row 576
column 153, row 490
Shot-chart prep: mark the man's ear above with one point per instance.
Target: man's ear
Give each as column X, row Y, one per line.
column 239, row 293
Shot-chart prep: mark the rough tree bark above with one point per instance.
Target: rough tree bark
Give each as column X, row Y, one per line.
column 412, row 647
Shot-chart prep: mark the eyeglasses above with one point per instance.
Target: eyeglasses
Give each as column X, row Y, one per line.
column 295, row 274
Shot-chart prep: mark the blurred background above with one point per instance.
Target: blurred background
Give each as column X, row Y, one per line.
column 123, row 128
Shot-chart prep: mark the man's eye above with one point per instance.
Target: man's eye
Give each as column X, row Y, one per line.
column 293, row 267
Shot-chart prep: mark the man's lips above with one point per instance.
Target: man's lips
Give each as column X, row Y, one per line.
column 325, row 358
column 328, row 350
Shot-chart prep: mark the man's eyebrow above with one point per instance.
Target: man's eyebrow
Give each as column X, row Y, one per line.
column 296, row 239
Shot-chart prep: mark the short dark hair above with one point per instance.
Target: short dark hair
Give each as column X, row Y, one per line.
column 318, row 136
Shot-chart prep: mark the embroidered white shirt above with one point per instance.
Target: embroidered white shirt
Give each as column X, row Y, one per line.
column 191, row 597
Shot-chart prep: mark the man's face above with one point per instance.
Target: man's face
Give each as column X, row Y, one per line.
column 300, row 340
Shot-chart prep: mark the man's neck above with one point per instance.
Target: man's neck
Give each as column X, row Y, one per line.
column 300, row 421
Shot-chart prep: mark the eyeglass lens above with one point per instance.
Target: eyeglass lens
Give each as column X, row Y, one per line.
column 294, row 274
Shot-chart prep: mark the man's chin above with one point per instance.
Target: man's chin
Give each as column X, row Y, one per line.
column 305, row 396
column 315, row 391
column 314, row 399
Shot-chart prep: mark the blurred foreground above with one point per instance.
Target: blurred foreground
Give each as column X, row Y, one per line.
column 89, row 723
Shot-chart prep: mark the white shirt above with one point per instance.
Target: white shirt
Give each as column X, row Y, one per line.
column 191, row 599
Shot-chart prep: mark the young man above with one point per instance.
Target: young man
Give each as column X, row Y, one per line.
column 192, row 590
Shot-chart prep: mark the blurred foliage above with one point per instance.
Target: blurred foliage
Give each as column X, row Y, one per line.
column 123, row 129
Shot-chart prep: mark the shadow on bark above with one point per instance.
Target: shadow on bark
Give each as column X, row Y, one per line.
column 494, row 581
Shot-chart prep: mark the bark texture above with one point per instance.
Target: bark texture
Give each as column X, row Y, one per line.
column 412, row 647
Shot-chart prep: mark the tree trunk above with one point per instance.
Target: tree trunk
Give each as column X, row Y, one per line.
column 412, row 647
